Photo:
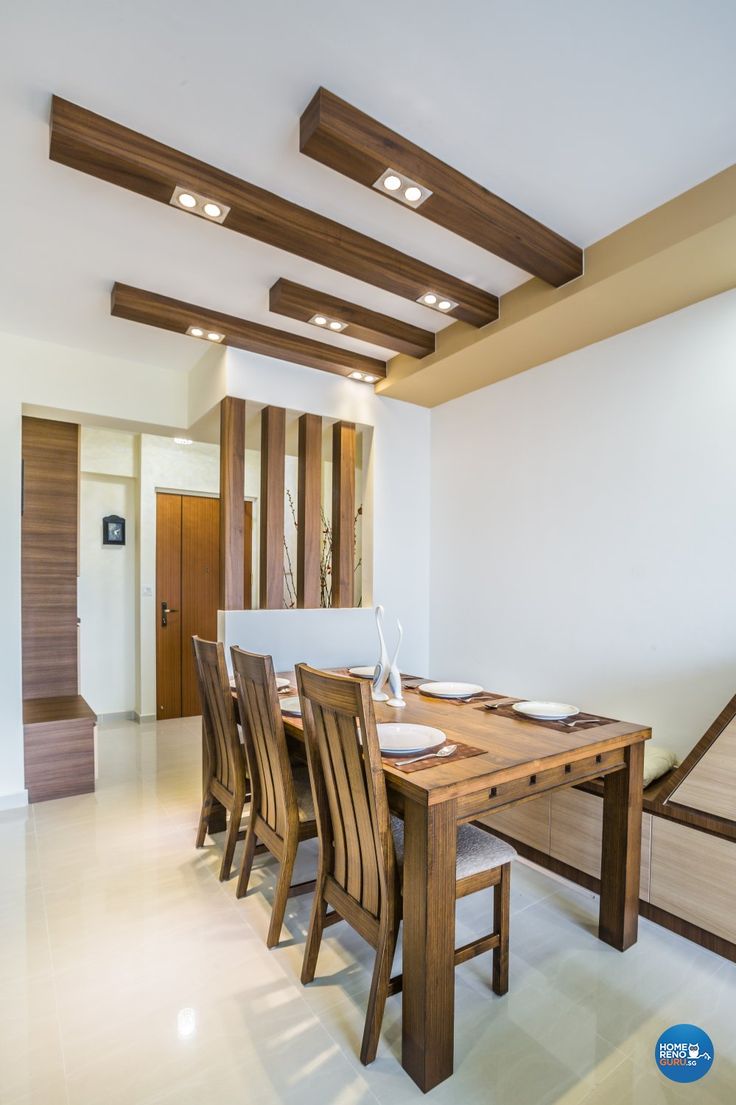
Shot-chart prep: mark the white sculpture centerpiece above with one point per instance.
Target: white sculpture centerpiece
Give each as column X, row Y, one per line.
column 387, row 670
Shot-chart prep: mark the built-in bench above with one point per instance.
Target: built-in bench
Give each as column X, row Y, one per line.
column 59, row 747
column 688, row 854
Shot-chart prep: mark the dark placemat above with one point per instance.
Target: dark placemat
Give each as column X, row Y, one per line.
column 508, row 711
column 464, row 751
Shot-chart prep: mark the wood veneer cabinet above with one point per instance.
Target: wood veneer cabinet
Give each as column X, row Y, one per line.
column 576, row 832
column 529, row 822
column 58, row 725
column 694, row 877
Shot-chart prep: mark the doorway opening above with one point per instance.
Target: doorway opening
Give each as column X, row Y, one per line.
column 187, row 592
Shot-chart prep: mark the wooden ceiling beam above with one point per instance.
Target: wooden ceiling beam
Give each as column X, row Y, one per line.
column 105, row 149
column 152, row 309
column 339, row 135
column 302, row 303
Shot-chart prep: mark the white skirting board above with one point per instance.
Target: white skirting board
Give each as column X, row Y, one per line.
column 14, row 801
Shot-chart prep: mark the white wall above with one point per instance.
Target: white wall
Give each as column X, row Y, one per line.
column 323, row 638
column 107, row 590
column 584, row 530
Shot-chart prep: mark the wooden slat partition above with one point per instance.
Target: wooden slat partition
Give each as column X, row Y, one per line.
column 343, row 513
column 232, row 478
column 49, row 557
column 309, row 511
column 273, row 454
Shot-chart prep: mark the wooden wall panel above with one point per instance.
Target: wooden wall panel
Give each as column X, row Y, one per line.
column 273, row 454
column 694, row 877
column 232, row 480
column 576, row 828
column 343, row 513
column 528, row 822
column 49, row 551
column 711, row 785
column 309, row 511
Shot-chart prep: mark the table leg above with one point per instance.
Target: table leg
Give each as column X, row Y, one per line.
column 428, row 1009
column 621, row 852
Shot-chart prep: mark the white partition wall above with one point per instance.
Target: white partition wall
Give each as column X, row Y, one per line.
column 324, row 638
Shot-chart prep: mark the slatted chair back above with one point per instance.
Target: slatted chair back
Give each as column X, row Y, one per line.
column 218, row 717
column 350, row 796
column 272, row 785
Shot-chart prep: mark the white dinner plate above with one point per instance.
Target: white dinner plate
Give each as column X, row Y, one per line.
column 450, row 690
column 363, row 673
column 546, row 711
column 281, row 684
column 291, row 706
column 397, row 737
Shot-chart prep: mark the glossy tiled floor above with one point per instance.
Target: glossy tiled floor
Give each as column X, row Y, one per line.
column 130, row 976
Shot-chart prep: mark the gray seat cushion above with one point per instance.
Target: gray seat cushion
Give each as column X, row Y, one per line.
column 304, row 798
column 476, row 849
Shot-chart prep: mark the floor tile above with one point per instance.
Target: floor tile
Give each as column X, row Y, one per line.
column 130, row 975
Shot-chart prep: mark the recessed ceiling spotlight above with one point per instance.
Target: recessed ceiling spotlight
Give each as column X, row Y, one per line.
column 183, row 441
column 437, row 302
column 402, row 188
column 331, row 323
column 356, row 375
column 212, row 335
column 196, row 204
column 370, row 379
column 196, row 332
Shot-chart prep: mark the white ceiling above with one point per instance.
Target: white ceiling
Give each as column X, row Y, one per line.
column 584, row 113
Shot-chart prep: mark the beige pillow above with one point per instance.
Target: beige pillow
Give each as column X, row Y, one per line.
column 657, row 761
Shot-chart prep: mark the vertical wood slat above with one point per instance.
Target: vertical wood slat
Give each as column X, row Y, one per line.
column 248, row 555
column 309, row 511
column 232, row 479
column 343, row 513
column 273, row 456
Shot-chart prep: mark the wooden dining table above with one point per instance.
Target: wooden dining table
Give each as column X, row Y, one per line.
column 520, row 760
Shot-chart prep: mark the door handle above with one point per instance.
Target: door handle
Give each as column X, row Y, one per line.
column 165, row 611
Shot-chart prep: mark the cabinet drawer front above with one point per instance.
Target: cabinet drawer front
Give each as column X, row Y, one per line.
column 576, row 831
column 694, row 876
column 528, row 822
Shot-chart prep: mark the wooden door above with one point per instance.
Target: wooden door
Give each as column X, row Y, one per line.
column 168, row 591
column 187, row 580
column 200, row 587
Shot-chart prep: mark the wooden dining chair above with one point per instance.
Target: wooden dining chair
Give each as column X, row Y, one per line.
column 282, row 809
column 361, row 843
column 225, row 779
